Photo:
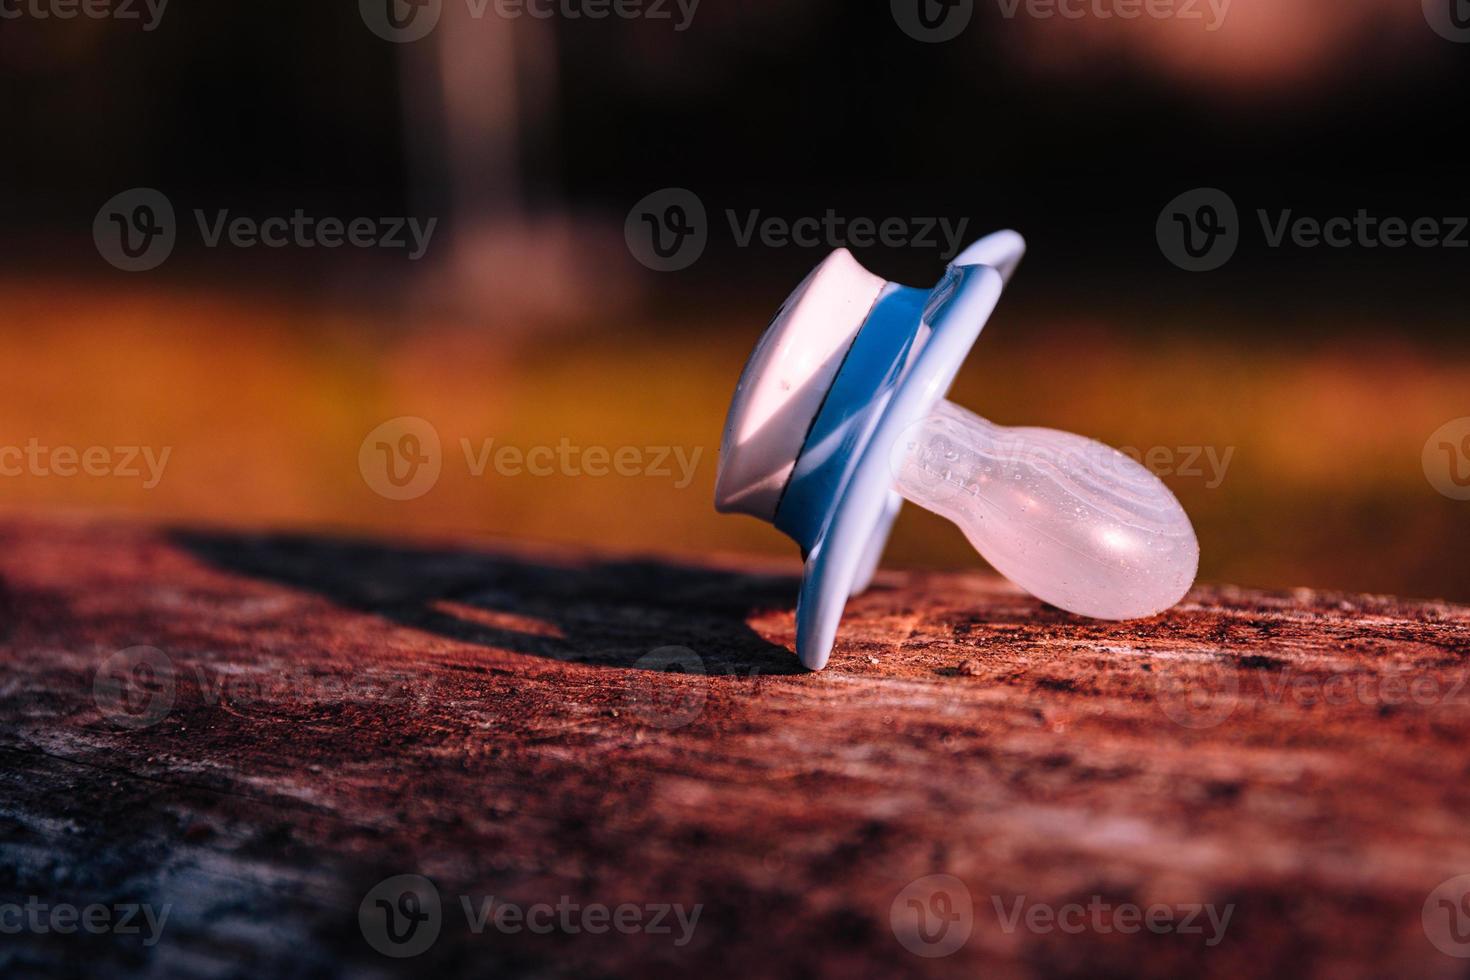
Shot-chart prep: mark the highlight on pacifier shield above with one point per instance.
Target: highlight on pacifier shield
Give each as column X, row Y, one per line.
column 840, row 416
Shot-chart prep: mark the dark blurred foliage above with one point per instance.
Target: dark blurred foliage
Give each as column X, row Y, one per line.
column 794, row 109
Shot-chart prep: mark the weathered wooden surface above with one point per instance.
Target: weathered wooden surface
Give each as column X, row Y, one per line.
column 335, row 713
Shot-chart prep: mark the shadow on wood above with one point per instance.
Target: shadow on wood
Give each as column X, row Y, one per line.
column 449, row 591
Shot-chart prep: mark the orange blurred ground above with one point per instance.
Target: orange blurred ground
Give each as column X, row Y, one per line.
column 264, row 407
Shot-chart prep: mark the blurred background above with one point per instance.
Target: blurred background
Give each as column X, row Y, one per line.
column 1291, row 397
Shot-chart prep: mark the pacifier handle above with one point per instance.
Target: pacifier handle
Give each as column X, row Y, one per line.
column 1002, row 251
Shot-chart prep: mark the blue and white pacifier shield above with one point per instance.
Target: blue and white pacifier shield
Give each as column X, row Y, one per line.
column 849, row 363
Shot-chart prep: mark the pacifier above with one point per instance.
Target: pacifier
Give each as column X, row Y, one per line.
column 840, row 416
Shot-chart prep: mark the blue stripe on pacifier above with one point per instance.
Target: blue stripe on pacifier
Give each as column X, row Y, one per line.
column 868, row 375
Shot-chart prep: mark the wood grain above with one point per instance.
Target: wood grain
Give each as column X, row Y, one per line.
column 328, row 713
